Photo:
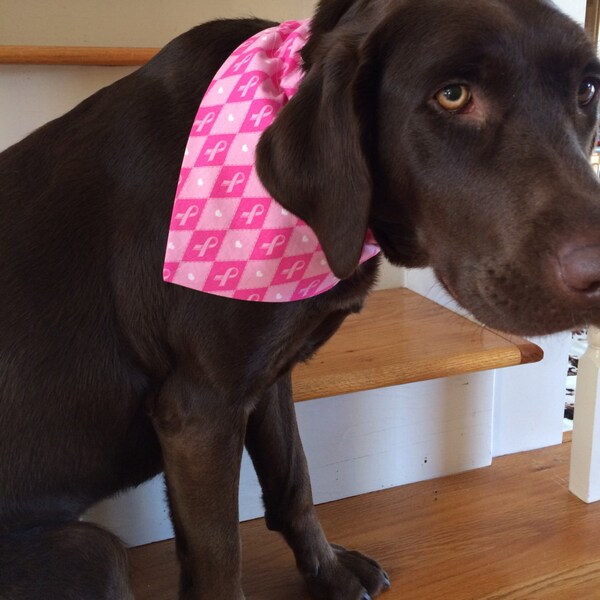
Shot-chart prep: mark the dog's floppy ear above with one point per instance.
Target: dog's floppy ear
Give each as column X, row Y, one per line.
column 312, row 158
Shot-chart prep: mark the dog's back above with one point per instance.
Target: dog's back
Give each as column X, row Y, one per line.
column 84, row 203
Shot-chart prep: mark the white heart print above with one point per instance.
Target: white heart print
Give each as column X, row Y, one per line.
column 229, row 219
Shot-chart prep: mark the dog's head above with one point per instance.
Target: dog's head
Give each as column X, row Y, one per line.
column 459, row 131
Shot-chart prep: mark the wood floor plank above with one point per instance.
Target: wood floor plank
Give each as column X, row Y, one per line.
column 508, row 532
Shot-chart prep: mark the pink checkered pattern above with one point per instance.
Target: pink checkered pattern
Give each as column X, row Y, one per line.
column 227, row 235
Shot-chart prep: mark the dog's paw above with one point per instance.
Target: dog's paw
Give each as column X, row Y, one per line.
column 349, row 575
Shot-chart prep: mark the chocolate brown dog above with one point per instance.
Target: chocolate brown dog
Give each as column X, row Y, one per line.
column 458, row 131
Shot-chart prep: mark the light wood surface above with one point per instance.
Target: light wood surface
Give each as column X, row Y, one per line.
column 511, row 531
column 401, row 337
column 75, row 55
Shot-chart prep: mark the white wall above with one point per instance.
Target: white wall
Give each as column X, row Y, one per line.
column 145, row 23
column 33, row 95
column 574, row 8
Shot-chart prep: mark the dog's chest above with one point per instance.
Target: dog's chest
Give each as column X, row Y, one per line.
column 295, row 339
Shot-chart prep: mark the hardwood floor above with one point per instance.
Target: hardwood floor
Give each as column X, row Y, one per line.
column 508, row 532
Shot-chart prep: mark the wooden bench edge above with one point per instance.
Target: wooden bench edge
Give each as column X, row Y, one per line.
column 530, row 352
column 508, row 350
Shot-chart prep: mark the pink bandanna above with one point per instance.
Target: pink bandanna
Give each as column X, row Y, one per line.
column 227, row 235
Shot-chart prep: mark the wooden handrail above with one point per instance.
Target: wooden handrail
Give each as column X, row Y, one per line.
column 75, row 55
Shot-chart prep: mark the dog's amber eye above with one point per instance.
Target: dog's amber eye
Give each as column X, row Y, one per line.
column 453, row 97
column 587, row 91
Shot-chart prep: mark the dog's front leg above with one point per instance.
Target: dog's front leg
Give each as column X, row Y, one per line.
column 273, row 441
column 202, row 433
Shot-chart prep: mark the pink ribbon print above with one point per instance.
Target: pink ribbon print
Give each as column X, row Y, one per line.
column 227, row 235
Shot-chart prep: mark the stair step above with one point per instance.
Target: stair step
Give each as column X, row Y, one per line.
column 402, row 337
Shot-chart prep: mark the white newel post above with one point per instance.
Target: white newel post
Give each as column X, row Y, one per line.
column 584, row 479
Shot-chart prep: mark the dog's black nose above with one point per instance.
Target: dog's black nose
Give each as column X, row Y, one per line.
column 579, row 267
